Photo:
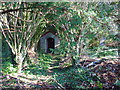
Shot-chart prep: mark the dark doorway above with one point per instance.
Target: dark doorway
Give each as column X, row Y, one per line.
column 50, row 44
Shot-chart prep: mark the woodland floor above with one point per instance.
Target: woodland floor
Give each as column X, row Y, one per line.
column 108, row 71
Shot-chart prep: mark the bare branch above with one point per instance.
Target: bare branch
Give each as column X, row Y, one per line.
column 20, row 18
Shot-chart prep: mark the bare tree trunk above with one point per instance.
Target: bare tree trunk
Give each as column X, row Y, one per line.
column 19, row 60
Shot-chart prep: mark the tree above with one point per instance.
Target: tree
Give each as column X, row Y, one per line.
column 19, row 24
column 83, row 27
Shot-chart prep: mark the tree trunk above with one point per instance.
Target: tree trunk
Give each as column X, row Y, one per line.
column 19, row 60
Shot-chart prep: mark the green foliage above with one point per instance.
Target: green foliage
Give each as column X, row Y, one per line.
column 42, row 63
column 8, row 67
column 100, row 85
column 102, row 51
column 82, row 29
column 76, row 78
column 45, row 61
column 6, row 51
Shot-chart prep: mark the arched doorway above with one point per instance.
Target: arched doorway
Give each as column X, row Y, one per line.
column 50, row 44
column 46, row 43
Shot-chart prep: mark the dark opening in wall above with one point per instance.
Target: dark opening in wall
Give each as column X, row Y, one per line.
column 50, row 44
